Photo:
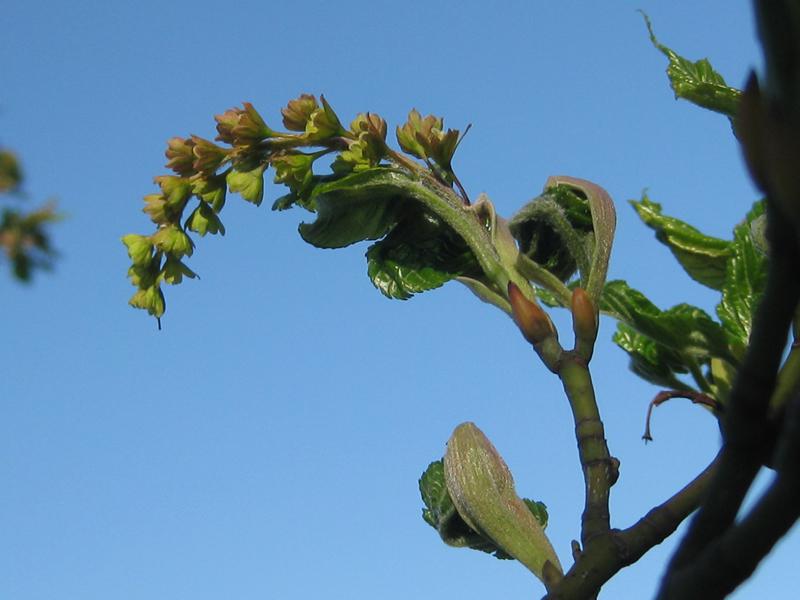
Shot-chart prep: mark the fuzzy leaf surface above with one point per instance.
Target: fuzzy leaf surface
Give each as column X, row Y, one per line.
column 440, row 513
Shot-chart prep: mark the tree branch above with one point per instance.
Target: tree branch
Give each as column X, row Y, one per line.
column 748, row 433
column 605, row 555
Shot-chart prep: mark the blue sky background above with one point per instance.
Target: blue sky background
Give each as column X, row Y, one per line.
column 267, row 443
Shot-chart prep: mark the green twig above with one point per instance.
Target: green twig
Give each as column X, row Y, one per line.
column 599, row 468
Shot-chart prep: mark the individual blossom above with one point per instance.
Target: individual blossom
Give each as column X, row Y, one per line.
column 242, row 126
column 208, row 156
column 297, row 113
column 323, row 123
column 294, row 169
column 180, row 156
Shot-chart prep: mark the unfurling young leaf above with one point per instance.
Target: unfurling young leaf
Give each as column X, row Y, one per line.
column 554, row 231
column 569, row 227
column 482, row 490
column 441, row 514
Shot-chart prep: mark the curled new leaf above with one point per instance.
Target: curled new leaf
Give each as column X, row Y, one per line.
column 441, row 514
column 362, row 206
column 569, row 227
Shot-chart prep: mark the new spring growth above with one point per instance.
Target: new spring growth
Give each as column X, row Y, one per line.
column 482, row 489
column 584, row 323
column 532, row 321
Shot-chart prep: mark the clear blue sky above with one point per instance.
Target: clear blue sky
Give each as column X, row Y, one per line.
column 267, row 443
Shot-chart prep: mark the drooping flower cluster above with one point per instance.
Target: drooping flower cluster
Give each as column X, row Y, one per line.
column 191, row 199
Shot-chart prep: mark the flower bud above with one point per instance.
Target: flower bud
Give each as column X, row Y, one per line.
column 208, row 156
column 180, row 157
column 298, row 112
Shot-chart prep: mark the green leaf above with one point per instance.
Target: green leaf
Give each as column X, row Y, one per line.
column 650, row 360
column 697, row 81
column 248, row 184
column 539, row 510
column 683, row 328
column 745, row 280
column 441, row 514
column 704, row 258
column 419, row 254
column 362, row 206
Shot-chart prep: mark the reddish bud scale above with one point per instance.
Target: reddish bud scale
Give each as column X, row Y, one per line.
column 584, row 317
column 532, row 321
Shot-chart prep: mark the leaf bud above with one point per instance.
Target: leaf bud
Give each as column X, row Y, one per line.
column 532, row 321
column 482, row 489
column 584, row 318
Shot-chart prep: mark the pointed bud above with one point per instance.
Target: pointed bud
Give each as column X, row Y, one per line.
column 534, row 323
column 482, row 489
column 584, row 318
